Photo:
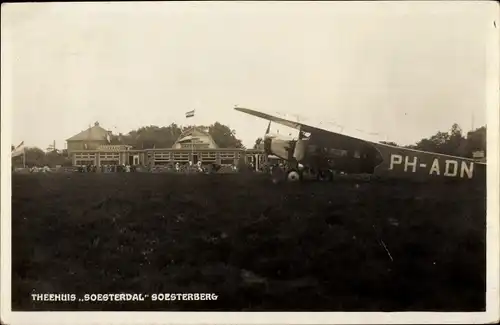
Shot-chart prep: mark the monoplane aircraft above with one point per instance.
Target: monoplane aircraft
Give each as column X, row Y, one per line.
column 322, row 153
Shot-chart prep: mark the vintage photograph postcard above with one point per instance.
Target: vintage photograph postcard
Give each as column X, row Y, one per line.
column 250, row 162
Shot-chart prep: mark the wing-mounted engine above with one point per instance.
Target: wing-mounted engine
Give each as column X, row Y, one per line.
column 279, row 147
column 276, row 145
column 300, row 146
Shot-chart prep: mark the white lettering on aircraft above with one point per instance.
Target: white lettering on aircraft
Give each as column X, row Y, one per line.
column 435, row 167
column 395, row 159
column 467, row 169
column 451, row 167
column 412, row 164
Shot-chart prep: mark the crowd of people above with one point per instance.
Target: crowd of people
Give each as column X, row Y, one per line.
column 173, row 167
column 189, row 167
column 107, row 168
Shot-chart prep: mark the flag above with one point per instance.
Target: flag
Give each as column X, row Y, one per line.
column 19, row 146
column 190, row 114
column 108, row 137
column 19, row 150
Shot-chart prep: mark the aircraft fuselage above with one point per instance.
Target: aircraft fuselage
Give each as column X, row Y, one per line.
column 407, row 163
column 382, row 161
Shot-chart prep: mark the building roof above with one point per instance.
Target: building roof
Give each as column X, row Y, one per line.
column 195, row 131
column 94, row 133
column 197, row 134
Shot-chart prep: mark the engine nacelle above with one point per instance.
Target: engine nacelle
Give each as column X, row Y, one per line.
column 280, row 148
column 300, row 150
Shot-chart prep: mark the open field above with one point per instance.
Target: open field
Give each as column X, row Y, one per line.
column 258, row 246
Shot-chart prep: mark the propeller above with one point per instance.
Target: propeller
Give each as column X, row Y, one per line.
column 268, row 129
column 267, row 138
column 276, row 145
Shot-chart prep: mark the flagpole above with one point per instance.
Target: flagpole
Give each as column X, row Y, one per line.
column 192, row 139
column 192, row 115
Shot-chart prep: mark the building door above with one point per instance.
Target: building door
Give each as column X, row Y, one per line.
column 130, row 160
column 195, row 158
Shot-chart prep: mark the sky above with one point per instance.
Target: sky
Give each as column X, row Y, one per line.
column 402, row 70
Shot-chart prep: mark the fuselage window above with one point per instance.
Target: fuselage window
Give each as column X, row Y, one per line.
column 338, row 152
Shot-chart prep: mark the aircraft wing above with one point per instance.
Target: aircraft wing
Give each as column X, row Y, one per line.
column 297, row 125
column 279, row 120
column 381, row 147
column 351, row 137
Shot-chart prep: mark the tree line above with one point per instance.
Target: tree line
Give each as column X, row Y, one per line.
column 453, row 142
column 153, row 136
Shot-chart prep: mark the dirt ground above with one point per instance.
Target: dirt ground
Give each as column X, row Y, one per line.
column 260, row 247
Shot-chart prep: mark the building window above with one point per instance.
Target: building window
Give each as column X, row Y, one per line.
column 85, row 156
column 199, row 145
column 208, row 155
column 110, row 156
column 83, row 162
column 227, row 155
column 162, row 155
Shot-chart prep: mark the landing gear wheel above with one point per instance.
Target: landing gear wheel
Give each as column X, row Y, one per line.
column 293, row 176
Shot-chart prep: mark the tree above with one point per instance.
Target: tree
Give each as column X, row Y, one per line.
column 35, row 157
column 258, row 143
column 476, row 141
column 453, row 142
column 55, row 158
column 164, row 137
column 456, row 143
column 224, row 136
column 149, row 136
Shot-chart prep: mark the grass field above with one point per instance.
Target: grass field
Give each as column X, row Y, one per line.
column 258, row 246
